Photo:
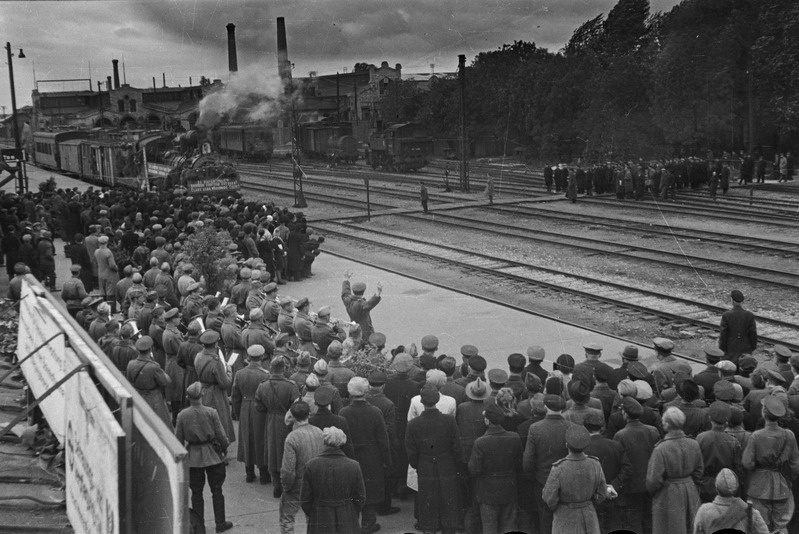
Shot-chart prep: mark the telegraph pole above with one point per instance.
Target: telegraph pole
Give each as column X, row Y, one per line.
column 464, row 175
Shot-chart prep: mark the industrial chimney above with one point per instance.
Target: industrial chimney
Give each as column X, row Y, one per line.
column 232, row 61
column 283, row 64
column 108, row 83
column 116, row 73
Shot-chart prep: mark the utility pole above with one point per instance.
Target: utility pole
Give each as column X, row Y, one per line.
column 464, row 175
column 749, row 90
column 299, row 196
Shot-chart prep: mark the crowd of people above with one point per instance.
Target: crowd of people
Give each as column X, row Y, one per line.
column 633, row 179
column 575, row 447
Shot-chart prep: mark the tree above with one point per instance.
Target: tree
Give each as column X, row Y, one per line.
column 401, row 102
column 361, row 67
column 208, row 252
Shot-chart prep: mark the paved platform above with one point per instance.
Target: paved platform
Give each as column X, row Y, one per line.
column 37, row 176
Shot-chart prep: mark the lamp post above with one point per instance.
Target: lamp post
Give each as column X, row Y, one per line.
column 13, row 93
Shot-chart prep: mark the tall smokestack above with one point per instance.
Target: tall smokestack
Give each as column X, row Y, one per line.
column 232, row 61
column 283, row 64
column 163, row 76
column 108, row 83
column 116, row 73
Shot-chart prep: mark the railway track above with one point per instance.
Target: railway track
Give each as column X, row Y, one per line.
column 684, row 311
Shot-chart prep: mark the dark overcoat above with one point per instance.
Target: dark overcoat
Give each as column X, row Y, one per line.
column 400, row 389
column 639, row 441
column 370, row 439
column 324, row 418
column 471, row 425
column 738, row 333
column 433, row 447
column 332, row 493
column 252, row 423
column 274, row 397
column 495, row 463
column 215, row 381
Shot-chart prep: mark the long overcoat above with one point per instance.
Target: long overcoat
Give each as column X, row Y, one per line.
column 495, row 462
column 252, row 423
column 274, row 397
column 215, row 381
column 370, row 438
column 738, row 333
column 433, row 447
column 574, row 485
column 332, row 493
column 675, row 469
column 171, row 340
column 150, row 380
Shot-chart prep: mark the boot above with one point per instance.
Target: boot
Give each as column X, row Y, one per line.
column 250, row 472
column 265, row 477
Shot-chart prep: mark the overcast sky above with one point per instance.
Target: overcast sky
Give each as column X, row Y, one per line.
column 188, row 38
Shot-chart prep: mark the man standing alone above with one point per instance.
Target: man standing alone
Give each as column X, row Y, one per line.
column 423, row 195
column 738, row 330
column 359, row 308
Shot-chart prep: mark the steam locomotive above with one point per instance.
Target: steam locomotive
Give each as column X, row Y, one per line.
column 401, row 147
column 329, row 141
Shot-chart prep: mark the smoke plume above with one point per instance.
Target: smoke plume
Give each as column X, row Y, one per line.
column 253, row 95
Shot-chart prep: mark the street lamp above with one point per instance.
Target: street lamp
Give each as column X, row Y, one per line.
column 13, row 93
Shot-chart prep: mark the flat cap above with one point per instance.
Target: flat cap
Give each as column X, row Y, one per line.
column 193, row 287
column 637, row 370
column 256, row 313
column 737, row 296
column 377, row 339
column 577, row 437
column 320, row 367
column 256, row 352
column 578, row 391
column 554, row 402
column 75, row 268
column 358, row 288
column 725, row 365
column 427, row 361
column 632, row 407
column 781, row 351
column 594, row 418
column 627, row 388
column 603, row 371
column 497, row 376
column 719, row 412
column 144, row 343
column 245, row 273
column 774, row 375
column 536, row 353
column 478, row 363
column 643, row 391
column 494, row 414
column 747, row 363
column 377, row 378
column 304, row 301
column 774, row 406
column 268, row 288
column 516, row 361
column 630, row 352
column 429, row 395
column 312, row 382
column 713, row 354
column 663, row 344
column 429, row 342
column 403, row 362
column 358, row 386
column 477, row 390
column 323, row 396
column 209, row 337
column 468, row 351
column 724, row 390
column 593, row 348
column 324, row 311
column 285, row 301
column 173, row 312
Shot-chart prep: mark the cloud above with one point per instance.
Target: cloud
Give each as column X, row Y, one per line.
column 127, row 32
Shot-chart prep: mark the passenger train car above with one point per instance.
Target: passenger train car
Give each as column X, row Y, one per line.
column 246, row 141
column 46, row 150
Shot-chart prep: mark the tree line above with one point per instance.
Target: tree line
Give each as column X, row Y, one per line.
column 709, row 75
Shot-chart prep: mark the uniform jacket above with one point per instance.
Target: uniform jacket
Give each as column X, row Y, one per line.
column 73, row 292
column 255, row 334
column 196, row 427
column 333, row 493
column 638, row 441
column 574, row 485
column 719, row 450
column 150, row 380
column 213, row 376
column 303, row 444
column 495, row 462
column 696, row 419
column 738, row 332
column 770, row 457
column 728, row 513
column 97, row 328
column 274, row 397
column 123, row 353
column 106, row 266
column 359, row 308
column 339, row 376
column 323, row 334
column 675, row 469
column 285, row 322
column 372, row 451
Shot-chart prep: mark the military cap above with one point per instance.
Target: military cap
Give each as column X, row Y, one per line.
column 359, row 386
column 724, row 390
column 578, row 391
column 637, row 370
column 774, row 375
column 323, row 396
column 265, row 277
column 194, row 328
column 158, row 311
column 577, row 437
column 304, row 359
column 737, row 296
column 87, row 301
column 194, row 391
column 285, row 301
column 593, row 348
column 535, row 353
column 193, row 287
column 630, row 352
column 773, row 405
column 603, row 372
column 477, row 390
column 144, row 343
column 187, row 267
column 377, row 378
column 403, row 362
column 643, row 391
column 781, row 351
column 427, row 361
column 96, row 300
column 270, row 287
column 173, row 312
column 719, row 412
column 726, row 483
column 324, row 311
column 429, row 395
column 516, row 361
column 468, row 351
column 725, row 365
column 209, row 337
column 429, row 342
column 713, row 355
column 747, row 363
column 256, row 313
column 594, row 418
column 554, row 402
column 137, row 278
column 377, row 339
column 497, row 376
column 565, row 361
column 358, row 288
column 151, row 296
column 320, row 367
column 303, row 302
column 75, row 268
column 312, row 382
column 663, row 344
column 256, row 352
column 256, row 275
column 478, row 363
column 627, row 388
column 632, row 407
column 335, row 349
column 245, row 273
column 494, row 414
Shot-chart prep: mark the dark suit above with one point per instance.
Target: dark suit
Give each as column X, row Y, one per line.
column 738, row 333
column 332, row 493
column 454, row 390
column 617, row 470
column 324, row 418
column 606, row 396
column 638, row 441
column 707, row 379
column 400, row 389
column 617, row 375
column 546, row 444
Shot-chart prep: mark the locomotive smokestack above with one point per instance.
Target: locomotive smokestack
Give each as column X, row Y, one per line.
column 283, row 64
column 116, row 73
column 232, row 61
